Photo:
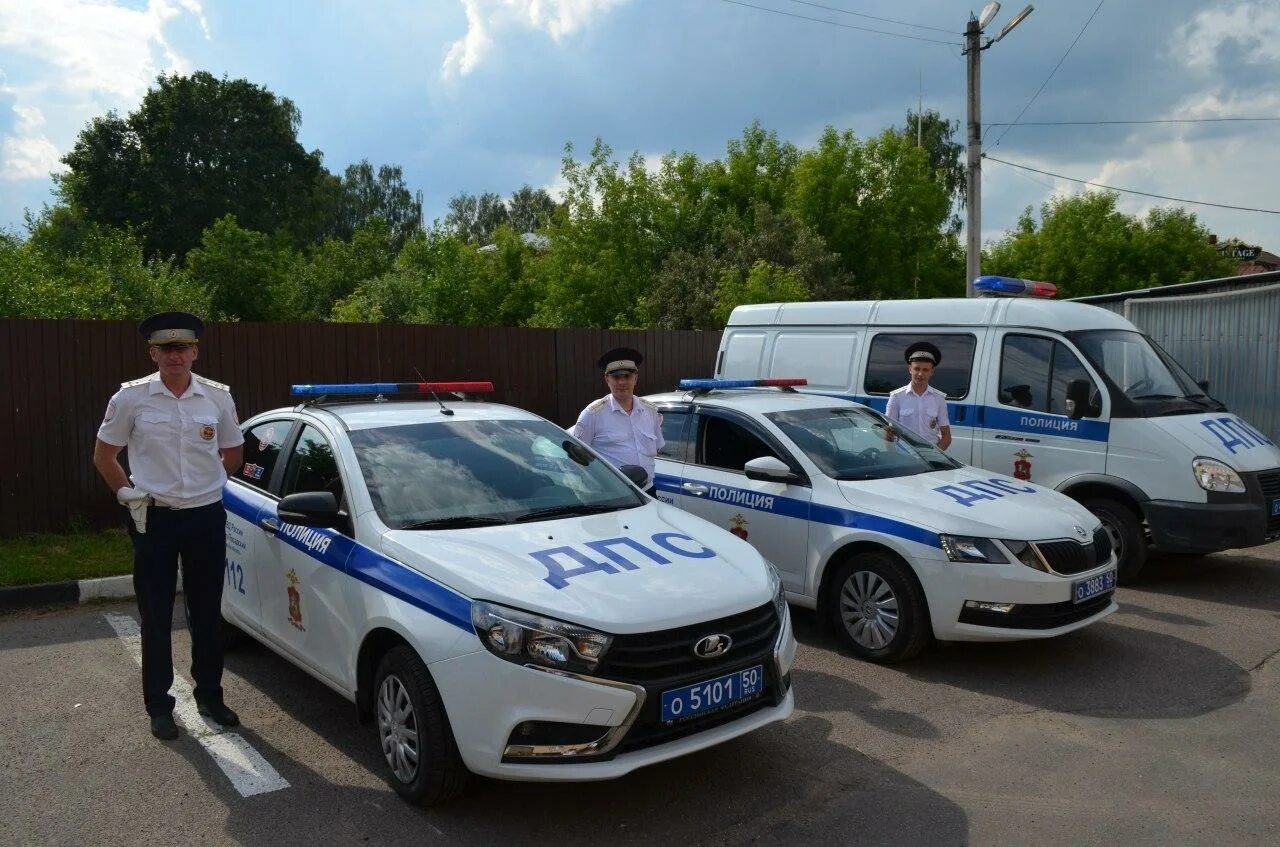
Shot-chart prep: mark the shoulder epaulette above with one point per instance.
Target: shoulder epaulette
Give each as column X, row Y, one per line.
column 647, row 403
column 598, row 405
column 141, row 381
column 204, row 380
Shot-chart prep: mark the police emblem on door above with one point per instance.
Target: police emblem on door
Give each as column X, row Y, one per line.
column 295, row 600
column 740, row 525
column 712, row 646
column 1022, row 465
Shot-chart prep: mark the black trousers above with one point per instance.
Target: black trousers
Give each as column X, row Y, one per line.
column 198, row 536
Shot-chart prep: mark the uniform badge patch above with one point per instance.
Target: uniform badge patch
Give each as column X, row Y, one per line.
column 207, row 432
column 933, row 423
column 295, row 600
column 1022, row 465
column 111, row 411
column 739, row 527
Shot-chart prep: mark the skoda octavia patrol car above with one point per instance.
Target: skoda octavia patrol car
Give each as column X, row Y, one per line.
column 882, row 533
column 495, row 596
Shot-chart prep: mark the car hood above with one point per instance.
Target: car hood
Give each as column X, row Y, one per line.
column 636, row 570
column 1224, row 437
column 970, row 501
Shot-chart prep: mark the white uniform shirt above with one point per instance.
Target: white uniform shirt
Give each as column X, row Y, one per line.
column 173, row 442
column 623, row 439
column 924, row 414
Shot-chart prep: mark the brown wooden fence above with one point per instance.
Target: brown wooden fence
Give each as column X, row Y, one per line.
column 56, row 377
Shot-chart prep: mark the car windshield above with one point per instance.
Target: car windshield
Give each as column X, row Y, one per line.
column 1144, row 373
column 463, row 474
column 856, row 443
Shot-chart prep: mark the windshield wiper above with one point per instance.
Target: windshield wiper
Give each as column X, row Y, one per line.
column 456, row 522
column 573, row 510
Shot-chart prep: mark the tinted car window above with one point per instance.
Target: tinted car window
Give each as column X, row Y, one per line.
column 1036, row 372
column 1067, row 368
column 312, row 466
column 261, row 450
column 729, row 445
column 887, row 369
column 676, row 432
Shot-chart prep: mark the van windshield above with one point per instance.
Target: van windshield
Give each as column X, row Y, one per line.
column 854, row 443
column 1144, row 373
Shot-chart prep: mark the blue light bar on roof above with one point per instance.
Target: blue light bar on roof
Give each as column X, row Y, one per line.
column 1014, row 287
column 390, row 388
column 712, row 384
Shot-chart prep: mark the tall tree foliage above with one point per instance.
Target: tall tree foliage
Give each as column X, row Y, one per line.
column 366, row 194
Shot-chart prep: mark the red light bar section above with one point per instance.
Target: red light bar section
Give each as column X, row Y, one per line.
column 782, row 382
column 465, row 387
column 1042, row 289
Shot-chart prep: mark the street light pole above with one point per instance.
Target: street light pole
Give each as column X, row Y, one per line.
column 973, row 170
column 973, row 48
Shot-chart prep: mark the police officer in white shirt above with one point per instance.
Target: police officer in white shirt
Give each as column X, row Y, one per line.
column 624, row 428
column 917, row 405
column 183, row 439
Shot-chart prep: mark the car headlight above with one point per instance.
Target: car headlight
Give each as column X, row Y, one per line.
column 779, row 593
column 1213, row 475
column 964, row 548
column 525, row 638
column 1025, row 552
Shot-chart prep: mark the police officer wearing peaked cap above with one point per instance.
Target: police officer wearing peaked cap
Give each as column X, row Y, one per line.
column 917, row 405
column 183, row 438
column 624, row 428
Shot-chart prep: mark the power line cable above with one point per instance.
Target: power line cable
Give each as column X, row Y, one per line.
column 1133, row 191
column 1154, row 121
column 842, row 26
column 873, row 17
column 1051, row 73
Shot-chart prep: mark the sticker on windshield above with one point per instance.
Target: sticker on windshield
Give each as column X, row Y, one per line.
column 1235, row 433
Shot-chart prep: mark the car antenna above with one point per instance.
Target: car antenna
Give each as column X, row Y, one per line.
column 444, row 410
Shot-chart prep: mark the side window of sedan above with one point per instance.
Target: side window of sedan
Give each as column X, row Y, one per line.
column 676, row 432
column 313, row 467
column 261, row 451
column 729, row 445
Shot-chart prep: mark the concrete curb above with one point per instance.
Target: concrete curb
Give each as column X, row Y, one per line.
column 69, row 593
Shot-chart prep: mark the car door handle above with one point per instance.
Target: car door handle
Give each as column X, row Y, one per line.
column 270, row 524
column 694, row 489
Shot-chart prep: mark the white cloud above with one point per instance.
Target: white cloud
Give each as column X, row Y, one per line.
column 487, row 19
column 1248, row 31
column 73, row 59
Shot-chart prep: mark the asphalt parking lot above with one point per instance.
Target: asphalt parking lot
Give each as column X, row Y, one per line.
column 1160, row 725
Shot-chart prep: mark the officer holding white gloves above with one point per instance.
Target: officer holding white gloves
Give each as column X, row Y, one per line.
column 183, row 439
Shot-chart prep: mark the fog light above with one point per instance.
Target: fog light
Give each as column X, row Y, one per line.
column 983, row 606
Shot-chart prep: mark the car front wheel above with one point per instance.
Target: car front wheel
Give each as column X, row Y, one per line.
column 878, row 609
column 413, row 731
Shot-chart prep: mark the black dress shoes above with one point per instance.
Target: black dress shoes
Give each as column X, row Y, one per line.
column 163, row 727
column 218, row 713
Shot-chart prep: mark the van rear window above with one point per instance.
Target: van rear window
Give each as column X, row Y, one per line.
column 887, row 367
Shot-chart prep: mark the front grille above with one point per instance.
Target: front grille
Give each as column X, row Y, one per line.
column 1037, row 615
column 1270, row 484
column 662, row 658
column 1071, row 557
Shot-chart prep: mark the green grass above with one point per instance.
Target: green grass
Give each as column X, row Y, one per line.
column 33, row 559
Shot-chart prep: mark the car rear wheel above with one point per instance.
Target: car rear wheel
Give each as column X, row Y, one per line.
column 878, row 609
column 1125, row 530
column 413, row 731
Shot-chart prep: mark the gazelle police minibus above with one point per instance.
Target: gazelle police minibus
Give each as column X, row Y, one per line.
column 1063, row 394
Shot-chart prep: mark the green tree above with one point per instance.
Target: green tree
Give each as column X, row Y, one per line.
column 764, row 283
column 333, row 270
column 530, row 209
column 196, row 149
column 366, row 195
column 473, row 218
column 245, row 272
column 942, row 152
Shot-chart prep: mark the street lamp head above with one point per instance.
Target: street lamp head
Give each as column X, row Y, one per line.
column 989, row 11
column 1017, row 19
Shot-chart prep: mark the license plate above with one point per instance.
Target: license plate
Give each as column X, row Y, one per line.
column 1087, row 589
column 1275, row 507
column 701, row 698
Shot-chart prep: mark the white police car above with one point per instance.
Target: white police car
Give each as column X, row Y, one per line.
column 498, row 598
column 883, row 534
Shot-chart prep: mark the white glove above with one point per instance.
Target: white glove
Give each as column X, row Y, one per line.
column 137, row 502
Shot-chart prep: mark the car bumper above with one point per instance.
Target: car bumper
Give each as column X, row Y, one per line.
column 1179, row 527
column 1042, row 602
column 487, row 699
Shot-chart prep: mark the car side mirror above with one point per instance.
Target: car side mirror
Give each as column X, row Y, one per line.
column 311, row 508
column 1204, row 385
column 1078, row 403
column 770, row 469
column 636, row 474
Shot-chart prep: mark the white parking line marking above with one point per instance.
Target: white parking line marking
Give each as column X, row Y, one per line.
column 244, row 766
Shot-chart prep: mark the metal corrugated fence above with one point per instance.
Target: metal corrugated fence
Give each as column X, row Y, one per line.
column 1231, row 338
column 56, row 378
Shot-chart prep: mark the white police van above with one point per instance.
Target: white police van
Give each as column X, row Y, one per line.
column 496, row 597
column 886, row 536
column 1063, row 394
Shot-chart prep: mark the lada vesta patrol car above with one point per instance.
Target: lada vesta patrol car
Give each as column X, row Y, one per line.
column 885, row 535
column 491, row 593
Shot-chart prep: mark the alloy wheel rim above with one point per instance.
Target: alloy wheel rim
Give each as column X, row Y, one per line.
column 398, row 729
column 869, row 610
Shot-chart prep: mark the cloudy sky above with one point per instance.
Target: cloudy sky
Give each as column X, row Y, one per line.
column 482, row 95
